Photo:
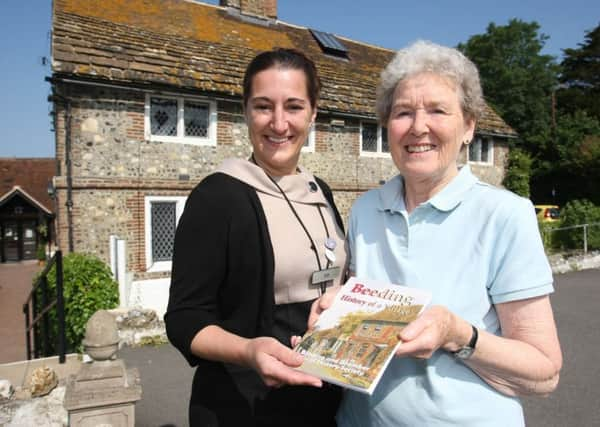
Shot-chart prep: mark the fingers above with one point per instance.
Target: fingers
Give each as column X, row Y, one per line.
column 321, row 304
column 295, row 340
column 425, row 335
column 274, row 362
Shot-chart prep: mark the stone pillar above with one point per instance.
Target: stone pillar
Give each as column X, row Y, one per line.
column 103, row 392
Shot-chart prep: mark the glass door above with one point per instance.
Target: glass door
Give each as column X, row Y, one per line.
column 11, row 241
column 29, row 240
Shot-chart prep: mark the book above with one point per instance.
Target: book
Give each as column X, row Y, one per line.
column 354, row 340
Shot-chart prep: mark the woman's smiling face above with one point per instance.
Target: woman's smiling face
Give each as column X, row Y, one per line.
column 279, row 115
column 426, row 128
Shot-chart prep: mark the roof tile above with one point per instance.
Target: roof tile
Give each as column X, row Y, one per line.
column 199, row 46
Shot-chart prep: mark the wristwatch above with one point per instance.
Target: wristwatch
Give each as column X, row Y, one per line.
column 466, row 351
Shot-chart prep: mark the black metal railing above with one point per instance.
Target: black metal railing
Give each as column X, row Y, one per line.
column 37, row 310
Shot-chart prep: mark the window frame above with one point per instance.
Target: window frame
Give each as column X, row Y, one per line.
column 379, row 152
column 210, row 140
column 151, row 265
column 490, row 151
column 312, row 136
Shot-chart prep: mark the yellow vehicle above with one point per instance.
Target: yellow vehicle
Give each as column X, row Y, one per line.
column 547, row 212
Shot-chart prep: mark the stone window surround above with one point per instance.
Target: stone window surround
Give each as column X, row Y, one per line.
column 310, row 146
column 211, row 140
column 152, row 266
column 490, row 151
column 377, row 153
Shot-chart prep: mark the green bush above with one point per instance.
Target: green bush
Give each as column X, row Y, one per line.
column 88, row 286
column 579, row 212
column 518, row 172
column 41, row 252
column 549, row 237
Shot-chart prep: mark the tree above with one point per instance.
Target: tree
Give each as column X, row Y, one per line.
column 518, row 172
column 517, row 79
column 580, row 78
column 573, row 171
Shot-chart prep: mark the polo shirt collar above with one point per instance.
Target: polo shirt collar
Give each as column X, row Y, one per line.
column 391, row 194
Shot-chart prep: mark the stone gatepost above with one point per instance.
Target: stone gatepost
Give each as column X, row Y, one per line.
column 103, row 392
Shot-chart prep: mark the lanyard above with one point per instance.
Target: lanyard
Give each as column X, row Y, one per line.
column 329, row 243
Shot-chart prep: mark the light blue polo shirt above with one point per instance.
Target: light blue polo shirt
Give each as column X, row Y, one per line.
column 472, row 245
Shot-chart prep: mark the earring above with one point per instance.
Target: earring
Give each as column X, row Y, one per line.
column 466, row 141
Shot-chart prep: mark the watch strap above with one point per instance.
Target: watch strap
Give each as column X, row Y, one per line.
column 466, row 351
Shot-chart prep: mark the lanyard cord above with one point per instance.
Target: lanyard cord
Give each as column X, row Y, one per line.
column 312, row 242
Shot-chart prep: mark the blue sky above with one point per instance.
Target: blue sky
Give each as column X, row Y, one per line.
column 25, row 27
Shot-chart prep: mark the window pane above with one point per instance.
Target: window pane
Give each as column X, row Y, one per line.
column 369, row 137
column 163, row 117
column 163, row 230
column 475, row 150
column 485, row 150
column 196, row 120
column 311, row 131
column 385, row 148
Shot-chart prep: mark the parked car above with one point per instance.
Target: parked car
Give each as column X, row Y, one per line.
column 547, row 212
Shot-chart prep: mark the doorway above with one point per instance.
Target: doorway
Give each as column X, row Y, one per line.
column 19, row 240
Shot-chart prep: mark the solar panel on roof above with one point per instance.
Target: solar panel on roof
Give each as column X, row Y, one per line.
column 329, row 43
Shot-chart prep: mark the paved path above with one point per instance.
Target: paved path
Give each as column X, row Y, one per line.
column 15, row 285
column 166, row 377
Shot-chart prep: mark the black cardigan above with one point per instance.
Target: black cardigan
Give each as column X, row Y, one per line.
column 223, row 267
column 223, row 263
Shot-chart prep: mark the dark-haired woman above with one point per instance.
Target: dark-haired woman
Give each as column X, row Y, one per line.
column 250, row 239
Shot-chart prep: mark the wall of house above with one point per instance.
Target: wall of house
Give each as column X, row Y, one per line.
column 114, row 167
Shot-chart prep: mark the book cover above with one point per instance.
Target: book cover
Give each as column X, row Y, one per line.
column 354, row 340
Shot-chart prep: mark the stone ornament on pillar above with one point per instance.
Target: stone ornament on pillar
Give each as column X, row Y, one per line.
column 103, row 392
column 101, row 340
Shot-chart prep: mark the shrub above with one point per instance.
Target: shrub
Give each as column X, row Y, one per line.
column 88, row 286
column 41, row 252
column 579, row 212
column 549, row 237
column 518, row 172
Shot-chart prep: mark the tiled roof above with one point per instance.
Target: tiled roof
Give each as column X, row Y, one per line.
column 204, row 47
column 32, row 175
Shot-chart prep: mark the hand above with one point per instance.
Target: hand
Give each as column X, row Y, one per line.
column 274, row 362
column 321, row 304
column 435, row 328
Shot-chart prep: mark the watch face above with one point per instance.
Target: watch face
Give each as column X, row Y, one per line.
column 464, row 353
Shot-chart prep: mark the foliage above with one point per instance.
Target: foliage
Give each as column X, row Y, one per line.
column 518, row 172
column 41, row 252
column 579, row 212
column 572, row 171
column 549, row 237
column 517, row 79
column 558, row 124
column 88, row 286
column 580, row 78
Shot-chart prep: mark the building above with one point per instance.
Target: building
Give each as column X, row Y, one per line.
column 147, row 101
column 26, row 209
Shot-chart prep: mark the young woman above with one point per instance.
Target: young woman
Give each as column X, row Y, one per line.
column 248, row 243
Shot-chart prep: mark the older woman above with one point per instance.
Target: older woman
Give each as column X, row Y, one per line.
column 489, row 336
column 247, row 246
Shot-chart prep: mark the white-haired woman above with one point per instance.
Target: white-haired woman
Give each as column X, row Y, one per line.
column 490, row 335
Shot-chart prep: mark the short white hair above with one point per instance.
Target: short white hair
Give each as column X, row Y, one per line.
column 427, row 57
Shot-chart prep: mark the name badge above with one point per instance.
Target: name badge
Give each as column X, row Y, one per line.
column 324, row 275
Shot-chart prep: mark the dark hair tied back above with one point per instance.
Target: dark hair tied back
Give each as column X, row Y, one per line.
column 285, row 59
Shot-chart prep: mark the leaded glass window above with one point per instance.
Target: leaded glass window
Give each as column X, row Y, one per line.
column 196, row 119
column 179, row 119
column 480, row 150
column 369, row 137
column 385, row 147
column 163, row 117
column 163, row 221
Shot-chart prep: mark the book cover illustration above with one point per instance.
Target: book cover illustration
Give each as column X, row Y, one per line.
column 354, row 340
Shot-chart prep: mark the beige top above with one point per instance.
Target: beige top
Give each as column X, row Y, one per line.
column 295, row 261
